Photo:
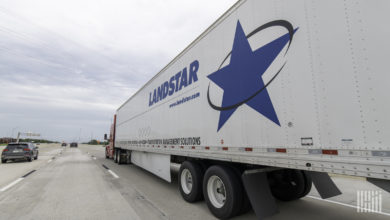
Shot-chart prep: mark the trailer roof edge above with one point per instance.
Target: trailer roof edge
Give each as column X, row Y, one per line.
column 185, row 50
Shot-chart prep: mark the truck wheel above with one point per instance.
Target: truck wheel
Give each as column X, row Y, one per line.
column 106, row 154
column 115, row 156
column 308, row 183
column 203, row 164
column 3, row 161
column 222, row 191
column 190, row 181
column 36, row 157
column 119, row 157
column 288, row 185
column 246, row 204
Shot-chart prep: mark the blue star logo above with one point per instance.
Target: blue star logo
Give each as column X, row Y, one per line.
column 241, row 80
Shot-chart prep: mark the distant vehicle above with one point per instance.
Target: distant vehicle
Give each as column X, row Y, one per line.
column 14, row 151
column 63, row 144
column 73, row 144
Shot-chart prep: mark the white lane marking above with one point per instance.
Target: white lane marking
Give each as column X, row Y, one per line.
column 49, row 161
column 113, row 174
column 11, row 184
column 343, row 204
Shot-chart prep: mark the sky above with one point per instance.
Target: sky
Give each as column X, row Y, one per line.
column 66, row 66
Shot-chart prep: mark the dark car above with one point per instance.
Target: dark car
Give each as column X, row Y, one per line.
column 25, row 151
column 63, row 144
column 73, row 144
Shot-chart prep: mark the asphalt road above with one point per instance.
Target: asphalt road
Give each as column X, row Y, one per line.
column 75, row 185
column 12, row 170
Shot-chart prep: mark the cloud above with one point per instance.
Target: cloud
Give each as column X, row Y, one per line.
column 65, row 66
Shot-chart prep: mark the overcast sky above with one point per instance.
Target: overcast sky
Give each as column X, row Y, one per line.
column 66, row 66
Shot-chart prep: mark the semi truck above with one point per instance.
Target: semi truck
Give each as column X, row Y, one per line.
column 269, row 100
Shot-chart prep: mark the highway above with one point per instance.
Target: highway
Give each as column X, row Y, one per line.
column 79, row 183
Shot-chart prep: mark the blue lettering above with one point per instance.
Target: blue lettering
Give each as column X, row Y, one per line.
column 171, row 86
column 159, row 93
column 165, row 89
column 183, row 81
column 177, row 77
column 175, row 83
column 194, row 66
column 154, row 96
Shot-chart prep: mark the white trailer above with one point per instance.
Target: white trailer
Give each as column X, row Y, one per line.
column 271, row 97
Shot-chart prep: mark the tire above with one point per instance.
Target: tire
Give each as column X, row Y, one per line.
column 31, row 158
column 191, row 192
column 308, row 183
column 288, row 185
column 115, row 156
column 106, row 154
column 119, row 158
column 229, row 185
column 204, row 165
column 36, row 157
column 3, row 161
column 246, row 204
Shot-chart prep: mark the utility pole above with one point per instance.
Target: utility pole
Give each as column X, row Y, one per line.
column 12, row 132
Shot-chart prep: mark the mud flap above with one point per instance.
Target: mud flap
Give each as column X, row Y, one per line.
column 383, row 184
column 259, row 193
column 324, row 184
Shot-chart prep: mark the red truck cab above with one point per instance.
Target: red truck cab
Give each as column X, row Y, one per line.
column 111, row 141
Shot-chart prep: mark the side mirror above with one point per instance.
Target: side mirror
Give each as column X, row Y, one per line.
column 105, row 136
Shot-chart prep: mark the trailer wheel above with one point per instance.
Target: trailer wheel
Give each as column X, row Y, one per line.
column 119, row 157
column 246, row 204
column 288, row 185
column 190, row 181
column 308, row 183
column 115, row 156
column 203, row 164
column 222, row 191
